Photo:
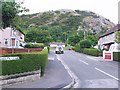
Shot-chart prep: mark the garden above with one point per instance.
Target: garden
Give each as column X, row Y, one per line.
column 28, row 62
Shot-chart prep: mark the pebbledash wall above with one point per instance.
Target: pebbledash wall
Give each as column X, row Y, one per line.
column 107, row 39
column 10, row 38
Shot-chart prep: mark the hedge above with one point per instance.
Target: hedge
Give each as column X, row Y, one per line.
column 116, row 56
column 28, row 62
column 91, row 51
column 77, row 48
column 37, row 45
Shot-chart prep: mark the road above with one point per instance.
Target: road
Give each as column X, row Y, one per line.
column 88, row 72
column 91, row 71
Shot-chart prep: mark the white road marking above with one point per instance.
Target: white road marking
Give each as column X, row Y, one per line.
column 51, row 58
column 75, row 79
column 92, row 58
column 107, row 74
column 84, row 62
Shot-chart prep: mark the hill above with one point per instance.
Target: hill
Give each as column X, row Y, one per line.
column 70, row 19
column 64, row 23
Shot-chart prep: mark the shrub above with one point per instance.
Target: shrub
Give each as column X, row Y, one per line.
column 91, row 51
column 28, row 62
column 85, row 43
column 38, row 45
column 100, row 52
column 77, row 48
column 116, row 56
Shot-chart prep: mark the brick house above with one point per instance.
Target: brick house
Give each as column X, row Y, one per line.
column 109, row 37
column 10, row 38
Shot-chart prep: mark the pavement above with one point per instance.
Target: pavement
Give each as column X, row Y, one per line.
column 56, row 76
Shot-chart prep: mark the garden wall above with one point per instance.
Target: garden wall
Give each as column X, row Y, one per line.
column 18, row 50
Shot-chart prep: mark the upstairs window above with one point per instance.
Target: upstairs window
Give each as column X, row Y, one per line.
column 6, row 42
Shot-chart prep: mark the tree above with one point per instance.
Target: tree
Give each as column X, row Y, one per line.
column 73, row 40
column 56, row 33
column 9, row 11
column 85, row 43
column 117, row 40
column 40, row 36
column 93, row 39
column 0, row 14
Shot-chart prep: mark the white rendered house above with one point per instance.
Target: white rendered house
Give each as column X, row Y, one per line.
column 107, row 39
column 10, row 38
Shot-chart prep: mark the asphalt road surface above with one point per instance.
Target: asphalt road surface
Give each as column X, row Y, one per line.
column 92, row 72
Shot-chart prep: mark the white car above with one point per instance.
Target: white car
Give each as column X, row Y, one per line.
column 59, row 50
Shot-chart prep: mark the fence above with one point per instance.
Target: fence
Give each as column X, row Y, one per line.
column 18, row 50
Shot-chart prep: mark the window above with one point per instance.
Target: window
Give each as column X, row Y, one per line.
column 17, row 43
column 117, row 48
column 6, row 42
column 112, row 47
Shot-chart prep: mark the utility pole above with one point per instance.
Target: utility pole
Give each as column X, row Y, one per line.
column 84, row 32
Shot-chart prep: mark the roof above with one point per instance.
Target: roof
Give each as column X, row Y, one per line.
column 112, row 30
column 56, row 43
column 15, row 30
column 21, row 31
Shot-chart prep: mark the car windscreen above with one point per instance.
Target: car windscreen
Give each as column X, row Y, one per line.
column 59, row 48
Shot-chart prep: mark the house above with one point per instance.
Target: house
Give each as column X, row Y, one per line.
column 10, row 38
column 107, row 39
column 55, row 44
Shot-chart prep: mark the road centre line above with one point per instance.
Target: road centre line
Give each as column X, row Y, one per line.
column 84, row 62
column 106, row 73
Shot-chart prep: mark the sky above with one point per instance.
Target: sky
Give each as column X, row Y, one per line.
column 105, row 8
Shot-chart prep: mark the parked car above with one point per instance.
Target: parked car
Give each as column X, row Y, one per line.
column 70, row 48
column 59, row 50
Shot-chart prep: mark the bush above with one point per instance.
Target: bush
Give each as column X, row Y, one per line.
column 85, row 43
column 28, row 62
column 91, row 51
column 38, row 45
column 100, row 52
column 77, row 48
column 116, row 56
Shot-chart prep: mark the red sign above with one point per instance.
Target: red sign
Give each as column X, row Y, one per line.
column 107, row 55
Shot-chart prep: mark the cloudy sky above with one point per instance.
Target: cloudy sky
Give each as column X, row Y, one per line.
column 105, row 8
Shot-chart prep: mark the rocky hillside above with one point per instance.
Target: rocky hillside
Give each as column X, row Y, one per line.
column 69, row 20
